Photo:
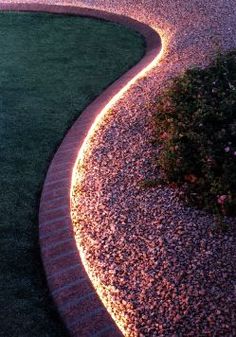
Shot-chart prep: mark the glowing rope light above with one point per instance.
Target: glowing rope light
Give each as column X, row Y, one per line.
column 102, row 291
column 98, row 120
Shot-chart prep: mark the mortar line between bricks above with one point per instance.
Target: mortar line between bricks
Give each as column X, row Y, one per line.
column 64, row 270
column 55, row 220
column 77, row 323
column 51, row 201
column 100, row 332
column 69, row 150
column 60, row 190
column 68, row 286
column 61, row 256
column 76, row 301
column 63, row 164
column 86, row 316
column 60, row 170
column 55, row 232
column 70, row 144
column 53, row 245
column 55, row 209
column 56, row 181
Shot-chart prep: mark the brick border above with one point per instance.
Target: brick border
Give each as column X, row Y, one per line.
column 77, row 301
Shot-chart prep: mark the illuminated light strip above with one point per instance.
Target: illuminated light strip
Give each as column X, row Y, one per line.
column 96, row 124
column 77, row 175
column 106, row 300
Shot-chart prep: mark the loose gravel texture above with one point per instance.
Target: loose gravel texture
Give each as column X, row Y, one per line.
column 161, row 266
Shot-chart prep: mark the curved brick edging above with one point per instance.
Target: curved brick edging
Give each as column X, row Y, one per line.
column 72, row 291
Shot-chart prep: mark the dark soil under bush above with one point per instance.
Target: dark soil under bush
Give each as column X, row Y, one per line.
column 196, row 124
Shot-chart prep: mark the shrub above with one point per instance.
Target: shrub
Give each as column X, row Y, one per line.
column 196, row 128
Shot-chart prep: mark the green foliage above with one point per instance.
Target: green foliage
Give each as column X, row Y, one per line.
column 196, row 124
column 149, row 183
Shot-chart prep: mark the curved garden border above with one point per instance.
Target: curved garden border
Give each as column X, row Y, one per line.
column 76, row 299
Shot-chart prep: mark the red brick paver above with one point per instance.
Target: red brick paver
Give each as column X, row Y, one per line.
column 72, row 291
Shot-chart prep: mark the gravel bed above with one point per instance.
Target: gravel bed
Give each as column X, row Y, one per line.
column 161, row 267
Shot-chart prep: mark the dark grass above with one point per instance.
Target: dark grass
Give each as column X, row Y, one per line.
column 51, row 67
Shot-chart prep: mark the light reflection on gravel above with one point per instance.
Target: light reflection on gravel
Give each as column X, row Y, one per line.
column 163, row 268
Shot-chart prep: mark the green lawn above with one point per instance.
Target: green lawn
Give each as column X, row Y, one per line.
column 51, row 67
